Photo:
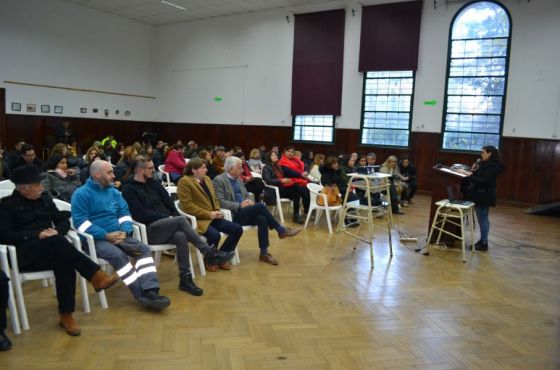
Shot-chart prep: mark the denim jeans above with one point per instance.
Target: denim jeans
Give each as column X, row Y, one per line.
column 483, row 222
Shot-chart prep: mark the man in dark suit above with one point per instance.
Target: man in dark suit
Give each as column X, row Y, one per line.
column 31, row 222
column 232, row 195
column 27, row 157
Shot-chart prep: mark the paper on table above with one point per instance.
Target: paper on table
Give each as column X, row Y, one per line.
column 453, row 172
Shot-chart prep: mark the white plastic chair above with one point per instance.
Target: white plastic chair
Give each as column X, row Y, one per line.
column 199, row 255
column 192, row 219
column 279, row 201
column 18, row 278
column 5, row 193
column 228, row 216
column 14, row 317
column 158, row 248
column 90, row 242
column 7, row 185
column 166, row 179
column 314, row 192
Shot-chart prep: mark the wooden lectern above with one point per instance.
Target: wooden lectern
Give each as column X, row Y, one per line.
column 442, row 178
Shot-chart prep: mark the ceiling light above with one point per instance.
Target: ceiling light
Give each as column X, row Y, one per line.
column 173, row 5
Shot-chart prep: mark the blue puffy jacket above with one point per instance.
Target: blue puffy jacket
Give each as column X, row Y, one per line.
column 98, row 211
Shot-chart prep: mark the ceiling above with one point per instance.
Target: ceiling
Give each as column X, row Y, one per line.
column 157, row 13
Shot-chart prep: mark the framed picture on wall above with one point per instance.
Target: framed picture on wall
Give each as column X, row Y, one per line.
column 58, row 109
column 83, row 110
column 16, row 107
column 45, row 108
column 31, row 108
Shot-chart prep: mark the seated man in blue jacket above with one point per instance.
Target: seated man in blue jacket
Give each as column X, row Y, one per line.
column 151, row 205
column 100, row 210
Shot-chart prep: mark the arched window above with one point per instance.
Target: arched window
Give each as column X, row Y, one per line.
column 477, row 71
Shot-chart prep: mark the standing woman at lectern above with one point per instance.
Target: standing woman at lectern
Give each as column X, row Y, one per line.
column 482, row 189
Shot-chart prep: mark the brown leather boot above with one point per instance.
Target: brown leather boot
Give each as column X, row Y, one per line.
column 102, row 280
column 69, row 324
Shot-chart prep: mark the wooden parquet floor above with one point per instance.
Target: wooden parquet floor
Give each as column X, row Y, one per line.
column 500, row 310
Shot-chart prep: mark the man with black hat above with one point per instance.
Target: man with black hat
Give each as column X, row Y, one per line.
column 30, row 220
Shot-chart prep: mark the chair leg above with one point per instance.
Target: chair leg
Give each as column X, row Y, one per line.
column 103, row 300
column 21, row 303
column 318, row 214
column 201, row 267
column 14, row 316
column 157, row 258
column 308, row 217
column 328, row 213
column 190, row 262
column 280, row 213
column 462, row 218
column 85, row 298
column 434, row 221
column 235, row 259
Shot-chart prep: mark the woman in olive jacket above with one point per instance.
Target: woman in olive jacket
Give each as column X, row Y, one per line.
column 482, row 189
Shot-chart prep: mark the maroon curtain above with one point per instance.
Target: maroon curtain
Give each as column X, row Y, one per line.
column 390, row 37
column 317, row 64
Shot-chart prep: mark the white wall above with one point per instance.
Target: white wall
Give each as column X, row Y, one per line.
column 58, row 43
column 246, row 60
column 533, row 96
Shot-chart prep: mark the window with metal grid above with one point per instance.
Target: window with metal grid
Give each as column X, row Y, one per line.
column 387, row 108
column 314, row 128
column 477, row 70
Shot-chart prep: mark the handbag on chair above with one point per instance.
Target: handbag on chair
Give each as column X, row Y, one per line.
column 333, row 196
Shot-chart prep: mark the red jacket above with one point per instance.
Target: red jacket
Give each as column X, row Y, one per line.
column 175, row 162
column 293, row 169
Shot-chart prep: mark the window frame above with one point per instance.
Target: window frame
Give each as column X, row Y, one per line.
column 447, row 77
column 411, row 113
column 293, row 139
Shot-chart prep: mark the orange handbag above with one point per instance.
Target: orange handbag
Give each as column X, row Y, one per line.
column 333, row 196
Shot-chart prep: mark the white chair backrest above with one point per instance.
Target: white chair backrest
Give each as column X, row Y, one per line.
column 171, row 190
column 62, row 205
column 161, row 168
column 314, row 190
column 5, row 193
column 256, row 175
column 7, row 185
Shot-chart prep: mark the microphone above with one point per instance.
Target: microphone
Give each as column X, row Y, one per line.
column 475, row 165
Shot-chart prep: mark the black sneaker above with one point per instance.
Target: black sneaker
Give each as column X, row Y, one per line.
column 5, row 342
column 151, row 299
column 187, row 284
column 215, row 256
column 298, row 220
column 480, row 246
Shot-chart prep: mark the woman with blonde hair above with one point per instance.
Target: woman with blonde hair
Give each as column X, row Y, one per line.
column 255, row 161
column 401, row 188
column 314, row 172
